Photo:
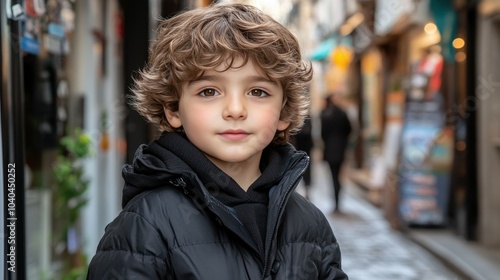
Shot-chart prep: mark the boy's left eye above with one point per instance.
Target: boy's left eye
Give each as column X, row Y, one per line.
column 209, row 92
column 258, row 92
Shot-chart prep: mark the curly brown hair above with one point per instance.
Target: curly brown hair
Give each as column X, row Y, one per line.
column 201, row 39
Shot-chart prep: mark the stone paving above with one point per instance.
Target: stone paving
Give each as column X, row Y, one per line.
column 370, row 248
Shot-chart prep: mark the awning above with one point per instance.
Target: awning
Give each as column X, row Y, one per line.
column 324, row 48
column 446, row 20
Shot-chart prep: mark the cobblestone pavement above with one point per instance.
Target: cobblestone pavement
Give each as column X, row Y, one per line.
column 370, row 248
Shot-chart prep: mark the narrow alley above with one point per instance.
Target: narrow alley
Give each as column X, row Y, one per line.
column 370, row 248
column 419, row 81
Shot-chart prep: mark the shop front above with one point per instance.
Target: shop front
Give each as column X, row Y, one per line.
column 428, row 64
column 60, row 73
column 406, row 146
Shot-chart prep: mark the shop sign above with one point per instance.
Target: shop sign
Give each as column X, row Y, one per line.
column 423, row 191
column 53, row 44
column 34, row 8
column 30, row 41
column 30, row 45
column 426, row 152
column 56, row 30
column 13, row 11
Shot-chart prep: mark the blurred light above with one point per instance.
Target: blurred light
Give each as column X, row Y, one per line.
column 460, row 56
column 430, row 28
column 458, row 43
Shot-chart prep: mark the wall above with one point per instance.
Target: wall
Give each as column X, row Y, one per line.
column 487, row 102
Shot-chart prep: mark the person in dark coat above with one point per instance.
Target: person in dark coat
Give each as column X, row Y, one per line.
column 214, row 196
column 335, row 130
column 303, row 141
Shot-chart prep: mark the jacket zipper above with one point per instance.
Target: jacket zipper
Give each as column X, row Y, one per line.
column 278, row 215
column 248, row 242
column 179, row 182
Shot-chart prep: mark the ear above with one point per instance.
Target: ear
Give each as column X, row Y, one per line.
column 173, row 118
column 282, row 125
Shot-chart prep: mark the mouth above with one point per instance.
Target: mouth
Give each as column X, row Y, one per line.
column 234, row 134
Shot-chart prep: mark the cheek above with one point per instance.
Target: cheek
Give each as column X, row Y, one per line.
column 196, row 123
column 268, row 121
column 196, row 117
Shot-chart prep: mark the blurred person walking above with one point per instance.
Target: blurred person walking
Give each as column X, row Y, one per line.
column 335, row 130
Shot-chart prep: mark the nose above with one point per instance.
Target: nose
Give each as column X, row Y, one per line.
column 235, row 107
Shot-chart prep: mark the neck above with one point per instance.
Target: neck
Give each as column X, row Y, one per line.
column 244, row 179
column 243, row 173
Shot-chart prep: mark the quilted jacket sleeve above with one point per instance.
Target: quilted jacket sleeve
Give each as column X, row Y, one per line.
column 130, row 249
column 331, row 268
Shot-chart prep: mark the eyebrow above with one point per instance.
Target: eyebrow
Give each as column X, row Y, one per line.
column 257, row 78
column 215, row 78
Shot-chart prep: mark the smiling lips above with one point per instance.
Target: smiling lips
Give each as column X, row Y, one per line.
column 234, row 135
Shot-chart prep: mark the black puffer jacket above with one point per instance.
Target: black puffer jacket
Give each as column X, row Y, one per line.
column 173, row 227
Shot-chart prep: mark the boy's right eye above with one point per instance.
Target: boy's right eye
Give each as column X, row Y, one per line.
column 208, row 92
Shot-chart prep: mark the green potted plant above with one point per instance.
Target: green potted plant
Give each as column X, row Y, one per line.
column 70, row 186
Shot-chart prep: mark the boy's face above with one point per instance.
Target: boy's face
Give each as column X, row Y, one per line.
column 230, row 116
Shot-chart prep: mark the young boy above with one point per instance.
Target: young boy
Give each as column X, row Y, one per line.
column 213, row 197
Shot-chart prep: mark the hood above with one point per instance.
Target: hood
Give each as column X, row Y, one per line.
column 172, row 156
